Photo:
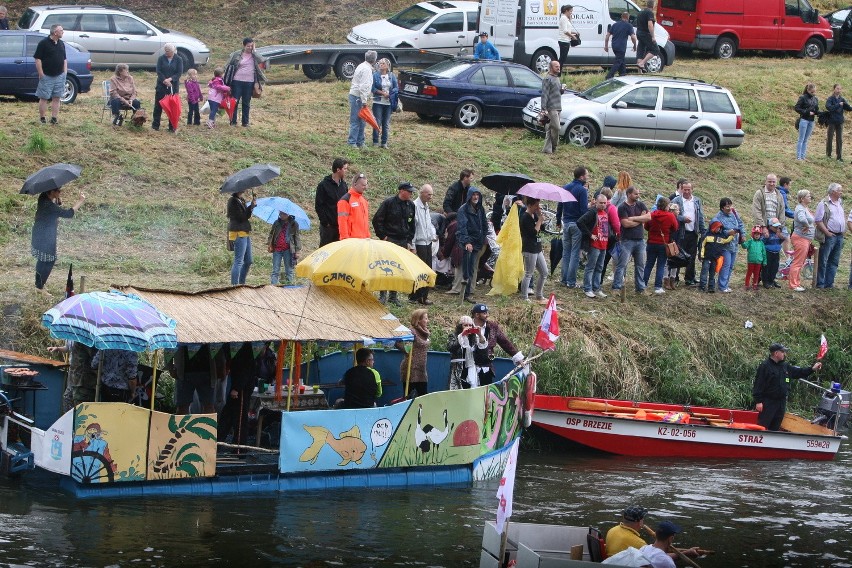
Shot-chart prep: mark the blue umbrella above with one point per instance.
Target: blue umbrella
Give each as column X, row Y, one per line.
column 111, row 320
column 267, row 208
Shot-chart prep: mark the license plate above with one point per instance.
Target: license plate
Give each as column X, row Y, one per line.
column 409, row 88
column 668, row 23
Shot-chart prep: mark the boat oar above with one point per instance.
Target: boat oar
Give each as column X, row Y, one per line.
column 679, row 552
column 607, row 407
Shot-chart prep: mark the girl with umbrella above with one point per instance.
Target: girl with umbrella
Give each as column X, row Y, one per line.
column 47, row 216
column 239, row 231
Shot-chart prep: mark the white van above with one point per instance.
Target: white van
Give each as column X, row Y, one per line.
column 525, row 31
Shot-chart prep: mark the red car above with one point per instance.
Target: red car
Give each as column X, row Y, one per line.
column 727, row 26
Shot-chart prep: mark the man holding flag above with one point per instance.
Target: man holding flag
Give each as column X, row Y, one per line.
column 772, row 384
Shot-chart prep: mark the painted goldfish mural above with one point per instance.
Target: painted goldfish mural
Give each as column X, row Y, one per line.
column 349, row 446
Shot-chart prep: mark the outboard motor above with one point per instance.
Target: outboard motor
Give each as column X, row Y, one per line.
column 833, row 409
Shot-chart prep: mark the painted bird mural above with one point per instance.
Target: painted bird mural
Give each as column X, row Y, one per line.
column 348, row 446
column 428, row 437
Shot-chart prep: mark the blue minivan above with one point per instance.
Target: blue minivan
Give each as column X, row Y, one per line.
column 18, row 76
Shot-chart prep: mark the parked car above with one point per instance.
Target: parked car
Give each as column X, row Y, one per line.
column 115, row 35
column 469, row 91
column 437, row 25
column 727, row 26
column 680, row 113
column 841, row 25
column 18, row 75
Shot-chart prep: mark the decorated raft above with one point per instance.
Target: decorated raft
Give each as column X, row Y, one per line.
column 446, row 437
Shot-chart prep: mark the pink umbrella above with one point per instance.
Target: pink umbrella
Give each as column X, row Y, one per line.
column 546, row 191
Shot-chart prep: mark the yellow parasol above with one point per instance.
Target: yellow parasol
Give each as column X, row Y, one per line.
column 372, row 264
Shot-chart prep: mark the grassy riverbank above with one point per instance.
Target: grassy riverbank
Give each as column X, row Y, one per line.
column 154, row 216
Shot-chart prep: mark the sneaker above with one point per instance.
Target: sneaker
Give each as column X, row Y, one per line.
column 727, row 291
column 590, row 294
column 776, row 285
column 385, row 146
column 711, row 291
column 43, row 120
column 600, row 294
column 702, row 288
column 53, row 120
column 543, row 301
column 659, row 291
column 798, row 289
column 469, row 300
column 453, row 292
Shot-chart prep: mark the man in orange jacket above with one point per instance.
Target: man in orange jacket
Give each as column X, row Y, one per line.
column 353, row 211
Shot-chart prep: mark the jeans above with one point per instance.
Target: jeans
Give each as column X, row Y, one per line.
column 469, row 261
column 634, row 249
column 214, row 108
column 834, row 131
column 356, row 125
column 242, row 260
column 829, row 260
column 806, row 128
column 656, row 255
column 594, row 270
column 564, row 48
column 383, row 115
column 193, row 116
column 618, row 66
column 690, row 245
column 118, row 105
column 707, row 280
column 551, row 132
column 770, row 270
column 534, row 261
column 242, row 90
column 571, row 238
column 730, row 259
column 287, row 257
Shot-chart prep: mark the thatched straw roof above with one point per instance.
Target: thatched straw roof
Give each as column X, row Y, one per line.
column 271, row 313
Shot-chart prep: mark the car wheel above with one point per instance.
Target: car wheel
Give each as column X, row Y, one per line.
column 186, row 57
column 541, row 60
column 581, row 133
column 702, row 144
column 468, row 115
column 69, row 95
column 726, row 47
column 345, row 67
column 428, row 117
column 656, row 64
column 315, row 72
column 813, row 49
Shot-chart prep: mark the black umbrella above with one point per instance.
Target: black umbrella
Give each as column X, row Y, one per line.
column 50, row 178
column 506, row 183
column 250, row 177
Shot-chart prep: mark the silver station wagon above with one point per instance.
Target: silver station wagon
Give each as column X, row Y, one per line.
column 699, row 117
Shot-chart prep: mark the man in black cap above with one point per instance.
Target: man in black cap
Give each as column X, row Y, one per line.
column 657, row 553
column 394, row 222
column 495, row 336
column 626, row 533
column 772, row 384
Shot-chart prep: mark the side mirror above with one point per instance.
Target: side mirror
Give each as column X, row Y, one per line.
column 620, row 104
column 430, row 31
column 149, row 32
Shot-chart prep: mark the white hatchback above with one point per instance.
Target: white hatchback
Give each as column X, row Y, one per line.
column 439, row 26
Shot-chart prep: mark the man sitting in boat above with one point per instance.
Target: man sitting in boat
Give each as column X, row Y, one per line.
column 626, row 533
column 772, row 384
column 658, row 553
column 360, row 382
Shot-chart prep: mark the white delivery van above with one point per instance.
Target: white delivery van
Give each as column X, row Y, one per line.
column 525, row 31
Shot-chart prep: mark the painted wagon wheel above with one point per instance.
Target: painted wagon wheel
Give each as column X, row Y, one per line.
column 97, row 470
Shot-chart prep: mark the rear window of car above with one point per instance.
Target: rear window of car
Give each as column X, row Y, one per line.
column 448, row 23
column 523, row 78
column 712, row 101
column 94, row 23
column 67, row 21
column 411, row 18
column 11, row 45
column 472, row 21
column 127, row 25
column 490, row 75
column 447, row 69
column 27, row 18
column 679, row 99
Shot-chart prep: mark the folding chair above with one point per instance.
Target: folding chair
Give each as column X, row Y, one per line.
column 107, row 109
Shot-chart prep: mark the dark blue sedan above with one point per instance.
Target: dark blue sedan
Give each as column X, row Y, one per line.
column 18, row 75
column 469, row 91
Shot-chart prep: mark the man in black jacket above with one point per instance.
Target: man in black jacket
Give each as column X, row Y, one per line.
column 329, row 192
column 457, row 193
column 772, row 385
column 394, row 222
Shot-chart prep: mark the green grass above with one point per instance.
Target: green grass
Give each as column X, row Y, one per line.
column 154, row 216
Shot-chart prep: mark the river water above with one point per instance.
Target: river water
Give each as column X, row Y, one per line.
column 753, row 514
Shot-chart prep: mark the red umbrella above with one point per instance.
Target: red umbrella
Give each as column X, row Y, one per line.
column 171, row 104
column 229, row 103
column 367, row 116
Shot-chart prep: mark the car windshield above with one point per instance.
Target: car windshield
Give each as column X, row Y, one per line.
column 603, row 92
column 411, row 18
column 447, row 69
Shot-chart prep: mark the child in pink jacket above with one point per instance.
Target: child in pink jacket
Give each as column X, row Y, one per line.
column 215, row 92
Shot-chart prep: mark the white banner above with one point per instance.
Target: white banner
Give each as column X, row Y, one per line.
column 507, row 487
column 52, row 448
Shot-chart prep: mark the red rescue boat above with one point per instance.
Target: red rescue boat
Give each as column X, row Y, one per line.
column 672, row 430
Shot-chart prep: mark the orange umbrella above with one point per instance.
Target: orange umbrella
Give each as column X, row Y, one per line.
column 229, row 103
column 367, row 116
column 171, row 105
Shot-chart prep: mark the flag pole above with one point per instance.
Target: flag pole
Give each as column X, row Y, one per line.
column 154, row 378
